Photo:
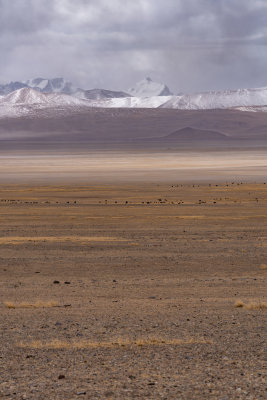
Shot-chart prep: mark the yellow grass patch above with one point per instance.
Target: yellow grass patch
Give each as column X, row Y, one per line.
column 86, row 344
column 252, row 305
column 210, row 217
column 181, row 216
column 37, row 304
column 256, row 306
column 263, row 266
column 239, row 304
column 17, row 240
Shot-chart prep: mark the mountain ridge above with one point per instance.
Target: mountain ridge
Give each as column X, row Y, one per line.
column 19, row 100
column 149, row 88
column 144, row 88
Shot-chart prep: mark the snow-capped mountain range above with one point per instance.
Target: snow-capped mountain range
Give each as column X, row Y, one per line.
column 20, row 98
column 144, row 88
column 224, row 99
column 31, row 97
column 56, row 85
column 27, row 101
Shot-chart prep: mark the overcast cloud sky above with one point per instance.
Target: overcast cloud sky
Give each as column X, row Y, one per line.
column 191, row 45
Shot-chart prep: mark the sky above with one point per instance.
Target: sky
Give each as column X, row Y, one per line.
column 191, row 45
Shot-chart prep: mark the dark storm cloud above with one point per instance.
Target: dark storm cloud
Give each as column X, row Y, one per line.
column 189, row 44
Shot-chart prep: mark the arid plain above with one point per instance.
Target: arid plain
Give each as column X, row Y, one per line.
column 131, row 290
column 133, row 255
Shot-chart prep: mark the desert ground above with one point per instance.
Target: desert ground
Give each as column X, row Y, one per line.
column 133, row 253
column 133, row 290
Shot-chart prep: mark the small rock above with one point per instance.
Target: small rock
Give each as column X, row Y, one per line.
column 56, row 282
column 81, row 393
column 61, row 377
column 67, row 283
column 109, row 394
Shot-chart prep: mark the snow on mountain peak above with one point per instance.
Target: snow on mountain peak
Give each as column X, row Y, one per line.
column 149, row 88
column 18, row 98
column 24, row 96
column 223, row 99
column 55, row 85
column 26, row 100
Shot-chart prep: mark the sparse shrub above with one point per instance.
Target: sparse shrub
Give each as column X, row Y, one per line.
column 256, row 306
column 239, row 304
column 252, row 305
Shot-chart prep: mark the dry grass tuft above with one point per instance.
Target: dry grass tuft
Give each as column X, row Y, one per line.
column 239, row 304
column 251, row 306
column 263, row 266
column 18, row 240
column 86, row 344
column 256, row 306
column 37, row 304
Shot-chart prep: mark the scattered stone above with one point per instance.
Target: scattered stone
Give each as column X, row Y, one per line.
column 109, row 394
column 61, row 377
column 56, row 282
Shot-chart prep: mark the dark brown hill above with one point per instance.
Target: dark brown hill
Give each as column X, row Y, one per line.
column 192, row 134
column 109, row 125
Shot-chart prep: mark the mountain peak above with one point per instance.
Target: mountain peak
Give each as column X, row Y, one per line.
column 149, row 88
column 27, row 96
column 55, row 85
column 24, row 95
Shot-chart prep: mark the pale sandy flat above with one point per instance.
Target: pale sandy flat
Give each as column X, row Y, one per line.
column 110, row 166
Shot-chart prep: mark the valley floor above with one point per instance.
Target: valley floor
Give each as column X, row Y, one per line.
column 130, row 291
column 130, row 164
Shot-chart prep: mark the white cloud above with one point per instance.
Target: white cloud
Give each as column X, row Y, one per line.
column 189, row 44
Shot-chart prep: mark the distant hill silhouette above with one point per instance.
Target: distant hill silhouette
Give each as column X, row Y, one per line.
column 190, row 134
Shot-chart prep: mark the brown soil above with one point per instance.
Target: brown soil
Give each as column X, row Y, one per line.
column 69, row 125
column 130, row 291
